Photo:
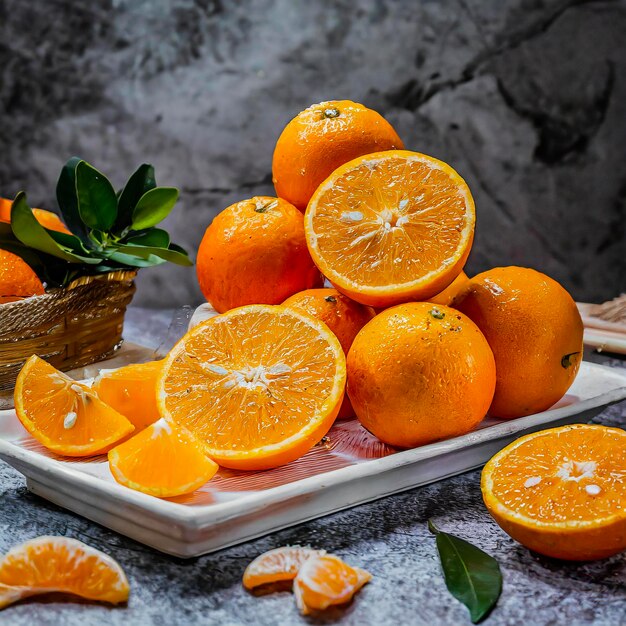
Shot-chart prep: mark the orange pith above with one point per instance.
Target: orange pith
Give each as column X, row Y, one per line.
column 391, row 227
column 63, row 415
column 277, row 565
column 326, row 580
column 131, row 391
column 47, row 219
column 17, row 279
column 60, row 564
column 259, row 385
column 558, row 491
column 163, row 460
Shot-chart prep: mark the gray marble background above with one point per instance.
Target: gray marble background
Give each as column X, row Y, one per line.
column 526, row 98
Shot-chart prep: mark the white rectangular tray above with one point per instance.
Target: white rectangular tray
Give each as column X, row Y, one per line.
column 348, row 468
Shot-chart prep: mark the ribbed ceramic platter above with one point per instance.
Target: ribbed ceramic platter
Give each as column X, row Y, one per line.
column 348, row 468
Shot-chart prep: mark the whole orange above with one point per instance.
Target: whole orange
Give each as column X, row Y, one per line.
column 343, row 316
column 254, row 252
column 47, row 219
column 320, row 139
column 420, row 372
column 536, row 334
column 17, row 279
column 451, row 291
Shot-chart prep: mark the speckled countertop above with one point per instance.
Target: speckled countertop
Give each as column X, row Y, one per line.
column 388, row 537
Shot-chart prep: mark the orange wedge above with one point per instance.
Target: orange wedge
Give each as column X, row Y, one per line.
column 259, row 385
column 326, row 580
column 60, row 564
column 163, row 460
column 131, row 391
column 277, row 565
column 561, row 492
column 63, row 415
column 391, row 227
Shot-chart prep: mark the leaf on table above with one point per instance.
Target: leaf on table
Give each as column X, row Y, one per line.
column 97, row 202
column 153, row 207
column 472, row 576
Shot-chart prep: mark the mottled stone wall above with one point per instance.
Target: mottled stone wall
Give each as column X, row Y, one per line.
column 526, row 98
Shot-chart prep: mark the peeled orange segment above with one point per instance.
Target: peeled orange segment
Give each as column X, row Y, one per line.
column 259, row 385
column 63, row 415
column 163, row 460
column 131, row 391
column 326, row 580
column 561, row 491
column 277, row 565
column 60, row 564
column 391, row 227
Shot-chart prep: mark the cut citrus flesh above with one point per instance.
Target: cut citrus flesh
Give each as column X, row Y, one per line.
column 561, row 491
column 391, row 227
column 64, row 415
column 60, row 564
column 277, row 565
column 131, row 391
column 259, row 385
column 326, row 580
column 163, row 460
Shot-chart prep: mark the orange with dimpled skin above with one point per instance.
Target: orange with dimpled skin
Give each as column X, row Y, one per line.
column 536, row 334
column 255, row 252
column 420, row 372
column 320, row 139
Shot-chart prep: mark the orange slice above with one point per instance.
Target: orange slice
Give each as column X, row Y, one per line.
column 277, row 565
column 326, row 580
column 131, row 391
column 60, row 564
column 163, row 460
column 561, row 492
column 63, row 415
column 391, row 227
column 259, row 385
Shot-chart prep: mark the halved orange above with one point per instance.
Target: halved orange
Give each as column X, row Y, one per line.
column 163, row 460
column 131, row 391
column 60, row 564
column 259, row 385
column 561, row 492
column 277, row 565
column 64, row 415
column 326, row 580
column 391, row 227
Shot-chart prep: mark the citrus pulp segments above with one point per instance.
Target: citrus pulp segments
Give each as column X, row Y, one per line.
column 259, row 385
column 391, row 227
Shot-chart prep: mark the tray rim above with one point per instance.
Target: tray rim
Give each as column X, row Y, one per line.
column 199, row 516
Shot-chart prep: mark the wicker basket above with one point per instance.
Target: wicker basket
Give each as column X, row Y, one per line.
column 70, row 327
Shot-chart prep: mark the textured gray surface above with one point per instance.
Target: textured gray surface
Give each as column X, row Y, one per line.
column 526, row 98
column 388, row 537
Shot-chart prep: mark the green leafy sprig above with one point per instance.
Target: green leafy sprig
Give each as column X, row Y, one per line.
column 109, row 231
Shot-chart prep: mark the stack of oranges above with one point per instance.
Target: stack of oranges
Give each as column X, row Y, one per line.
column 344, row 295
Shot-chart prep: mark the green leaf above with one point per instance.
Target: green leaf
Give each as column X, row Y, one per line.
column 132, row 260
column 68, row 199
column 155, row 205
column 33, row 235
column 472, row 576
column 154, row 237
column 138, row 184
column 178, row 256
column 97, row 202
